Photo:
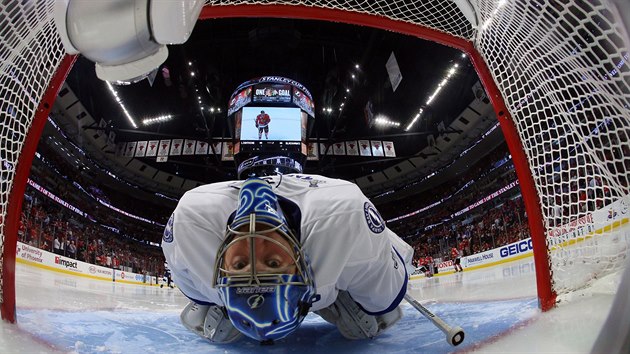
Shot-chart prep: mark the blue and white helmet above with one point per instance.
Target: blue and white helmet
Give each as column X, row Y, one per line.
column 266, row 299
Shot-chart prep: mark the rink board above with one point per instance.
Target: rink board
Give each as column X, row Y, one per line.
column 134, row 331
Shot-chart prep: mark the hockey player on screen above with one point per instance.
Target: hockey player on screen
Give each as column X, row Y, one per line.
column 256, row 256
column 262, row 123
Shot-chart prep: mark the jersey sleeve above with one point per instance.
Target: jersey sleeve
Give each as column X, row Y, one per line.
column 353, row 250
column 379, row 281
column 191, row 239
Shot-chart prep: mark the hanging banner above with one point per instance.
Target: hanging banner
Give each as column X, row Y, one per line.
column 152, row 148
column 164, row 147
column 312, row 151
column 120, row 149
column 339, row 148
column 189, row 147
column 141, row 148
column 130, row 149
column 201, row 148
column 352, row 148
column 377, row 148
column 324, row 149
column 228, row 151
column 393, row 71
column 111, row 138
column 216, row 146
column 364, row 148
column 389, row 149
column 176, row 147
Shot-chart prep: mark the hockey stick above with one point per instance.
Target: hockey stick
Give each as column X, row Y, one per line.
column 454, row 335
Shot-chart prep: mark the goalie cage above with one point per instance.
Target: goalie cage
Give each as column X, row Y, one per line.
column 556, row 74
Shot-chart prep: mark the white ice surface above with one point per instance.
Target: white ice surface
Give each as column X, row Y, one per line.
column 495, row 306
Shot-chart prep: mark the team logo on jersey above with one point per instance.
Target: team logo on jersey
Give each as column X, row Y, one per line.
column 255, row 301
column 373, row 218
column 168, row 230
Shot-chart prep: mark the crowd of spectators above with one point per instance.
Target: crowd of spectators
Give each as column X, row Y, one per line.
column 109, row 238
column 92, row 232
column 52, row 227
column 435, row 231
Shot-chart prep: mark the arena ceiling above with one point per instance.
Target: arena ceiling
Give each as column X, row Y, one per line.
column 323, row 56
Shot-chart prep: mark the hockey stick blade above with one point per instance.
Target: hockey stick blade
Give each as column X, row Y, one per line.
column 454, row 335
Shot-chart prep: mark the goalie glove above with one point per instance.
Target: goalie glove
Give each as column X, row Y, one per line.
column 354, row 323
column 209, row 322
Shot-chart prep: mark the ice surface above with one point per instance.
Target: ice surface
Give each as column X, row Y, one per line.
column 497, row 307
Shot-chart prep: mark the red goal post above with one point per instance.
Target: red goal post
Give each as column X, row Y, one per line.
column 556, row 74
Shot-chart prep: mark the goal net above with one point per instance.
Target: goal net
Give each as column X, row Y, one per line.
column 557, row 74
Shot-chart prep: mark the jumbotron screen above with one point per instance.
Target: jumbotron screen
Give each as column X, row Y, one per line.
column 271, row 124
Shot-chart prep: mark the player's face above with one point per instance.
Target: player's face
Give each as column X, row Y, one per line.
column 270, row 257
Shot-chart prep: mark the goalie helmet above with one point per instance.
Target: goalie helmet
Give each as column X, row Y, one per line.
column 261, row 272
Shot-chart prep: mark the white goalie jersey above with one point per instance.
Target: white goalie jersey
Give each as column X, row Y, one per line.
column 344, row 237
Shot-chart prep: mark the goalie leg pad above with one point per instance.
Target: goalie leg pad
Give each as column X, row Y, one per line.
column 389, row 319
column 352, row 322
column 209, row 322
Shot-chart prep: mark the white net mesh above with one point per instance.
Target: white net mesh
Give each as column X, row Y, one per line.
column 442, row 15
column 30, row 51
column 563, row 72
column 561, row 68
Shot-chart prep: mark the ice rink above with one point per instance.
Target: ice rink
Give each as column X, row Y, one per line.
column 497, row 308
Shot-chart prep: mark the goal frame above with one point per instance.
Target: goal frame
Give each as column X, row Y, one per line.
column 546, row 294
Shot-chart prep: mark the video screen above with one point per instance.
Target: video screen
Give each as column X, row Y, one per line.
column 271, row 123
column 272, row 93
column 239, row 100
column 303, row 101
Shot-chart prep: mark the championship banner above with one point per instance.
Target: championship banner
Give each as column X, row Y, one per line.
column 377, row 148
column 393, row 71
column 364, row 148
column 164, row 147
column 120, row 149
column 339, row 148
column 111, row 138
column 352, row 148
column 216, row 146
column 176, row 147
column 130, row 149
column 228, row 151
column 312, row 153
column 389, row 149
column 201, row 148
column 325, row 149
column 189, row 147
column 152, row 148
column 141, row 148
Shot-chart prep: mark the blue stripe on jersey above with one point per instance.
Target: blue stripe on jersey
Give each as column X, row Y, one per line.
column 399, row 297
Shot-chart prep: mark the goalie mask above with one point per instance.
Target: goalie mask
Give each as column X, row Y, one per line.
column 262, row 275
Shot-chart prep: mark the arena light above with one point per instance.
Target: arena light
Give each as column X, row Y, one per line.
column 382, row 121
column 415, row 119
column 440, row 86
column 121, row 104
column 159, row 119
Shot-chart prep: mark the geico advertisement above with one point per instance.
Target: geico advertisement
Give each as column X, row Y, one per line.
column 506, row 252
